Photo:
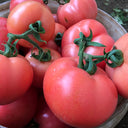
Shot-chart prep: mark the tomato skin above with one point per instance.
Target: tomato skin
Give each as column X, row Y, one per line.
column 3, row 32
column 69, row 49
column 19, row 113
column 39, row 68
column 45, row 118
column 77, row 98
column 119, row 74
column 16, row 76
column 3, row 22
column 13, row 3
column 26, row 13
column 75, row 11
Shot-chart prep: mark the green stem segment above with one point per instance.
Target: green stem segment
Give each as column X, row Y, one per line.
column 34, row 29
column 114, row 58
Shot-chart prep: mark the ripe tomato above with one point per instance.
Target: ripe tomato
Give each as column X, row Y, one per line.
column 119, row 74
column 3, row 32
column 16, row 76
column 39, row 68
column 19, row 113
column 26, row 13
column 75, row 11
column 77, row 98
column 46, row 119
column 99, row 35
column 52, row 43
column 3, row 22
column 13, row 3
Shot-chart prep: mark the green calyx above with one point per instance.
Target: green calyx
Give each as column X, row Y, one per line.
column 35, row 29
column 114, row 58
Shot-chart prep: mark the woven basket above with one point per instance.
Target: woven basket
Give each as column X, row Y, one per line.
column 116, row 31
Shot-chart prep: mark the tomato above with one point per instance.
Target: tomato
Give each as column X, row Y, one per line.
column 3, row 32
column 3, row 22
column 75, row 11
column 77, row 98
column 39, row 68
column 46, row 119
column 19, row 113
column 16, row 76
column 119, row 74
column 100, row 35
column 13, row 3
column 26, row 13
column 53, row 42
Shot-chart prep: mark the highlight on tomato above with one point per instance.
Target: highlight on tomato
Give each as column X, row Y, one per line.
column 76, row 10
column 26, row 13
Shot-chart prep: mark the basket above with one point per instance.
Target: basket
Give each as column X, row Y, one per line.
column 116, row 31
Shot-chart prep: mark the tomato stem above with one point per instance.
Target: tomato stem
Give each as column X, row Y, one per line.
column 34, row 29
column 112, row 58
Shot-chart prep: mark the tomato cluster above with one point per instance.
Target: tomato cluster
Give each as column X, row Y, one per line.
column 61, row 70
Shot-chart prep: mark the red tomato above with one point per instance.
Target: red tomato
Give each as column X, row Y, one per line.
column 77, row 98
column 119, row 74
column 99, row 35
column 19, row 113
column 3, row 22
column 39, row 68
column 3, row 32
column 16, row 77
column 46, row 119
column 29, row 12
column 13, row 3
column 51, row 43
column 75, row 11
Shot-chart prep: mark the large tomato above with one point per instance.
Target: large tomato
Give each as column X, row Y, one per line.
column 19, row 113
column 119, row 74
column 16, row 76
column 75, row 11
column 77, row 98
column 29, row 12
column 99, row 33
column 39, row 68
column 13, row 3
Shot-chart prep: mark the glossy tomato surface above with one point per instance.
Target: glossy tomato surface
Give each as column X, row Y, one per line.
column 77, row 98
